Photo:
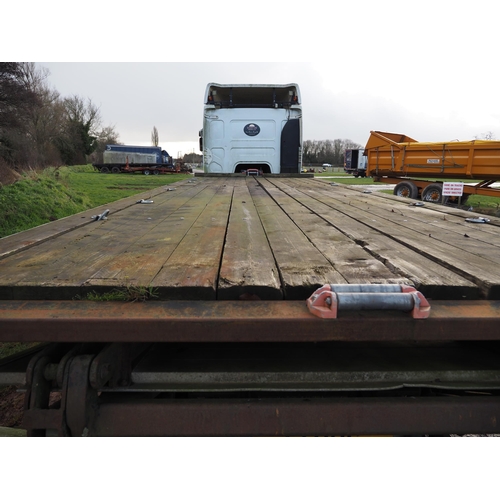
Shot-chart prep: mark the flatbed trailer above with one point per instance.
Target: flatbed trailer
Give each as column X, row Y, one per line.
column 403, row 161
column 234, row 339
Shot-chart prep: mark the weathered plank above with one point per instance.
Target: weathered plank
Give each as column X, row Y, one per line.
column 167, row 224
column 302, row 267
column 350, row 259
column 450, row 224
column 434, row 280
column 248, row 269
column 191, row 271
column 18, row 242
column 478, row 269
column 62, row 266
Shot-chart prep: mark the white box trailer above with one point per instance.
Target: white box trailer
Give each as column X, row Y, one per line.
column 251, row 126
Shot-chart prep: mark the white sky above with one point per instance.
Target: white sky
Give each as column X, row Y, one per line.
column 428, row 71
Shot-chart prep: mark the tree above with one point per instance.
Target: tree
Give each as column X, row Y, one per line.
column 107, row 135
column 192, row 158
column 16, row 99
column 79, row 137
column 38, row 128
column 328, row 151
column 154, row 137
column 44, row 120
column 486, row 136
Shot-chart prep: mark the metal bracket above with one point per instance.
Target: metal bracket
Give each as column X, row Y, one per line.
column 329, row 299
column 62, row 369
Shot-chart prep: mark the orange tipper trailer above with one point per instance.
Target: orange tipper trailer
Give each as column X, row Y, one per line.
column 401, row 160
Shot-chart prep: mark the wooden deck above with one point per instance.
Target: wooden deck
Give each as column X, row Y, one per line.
column 228, row 238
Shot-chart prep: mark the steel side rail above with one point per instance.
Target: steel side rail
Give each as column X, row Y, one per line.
column 289, row 417
column 237, row 321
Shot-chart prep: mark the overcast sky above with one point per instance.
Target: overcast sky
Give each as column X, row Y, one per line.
column 429, row 72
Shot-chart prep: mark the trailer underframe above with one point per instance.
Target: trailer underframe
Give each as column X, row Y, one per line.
column 260, row 368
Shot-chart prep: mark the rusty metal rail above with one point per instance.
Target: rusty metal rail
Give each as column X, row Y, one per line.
column 233, row 321
column 298, row 417
column 112, row 383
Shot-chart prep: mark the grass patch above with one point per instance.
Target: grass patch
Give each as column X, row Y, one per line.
column 11, row 348
column 129, row 294
column 490, row 204
column 54, row 193
column 333, row 174
column 106, row 188
column 350, row 180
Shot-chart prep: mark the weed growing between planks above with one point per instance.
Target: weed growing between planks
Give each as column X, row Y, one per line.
column 129, row 294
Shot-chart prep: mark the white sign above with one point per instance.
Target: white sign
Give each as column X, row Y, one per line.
column 453, row 188
column 432, row 160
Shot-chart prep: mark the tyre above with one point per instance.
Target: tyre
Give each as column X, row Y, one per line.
column 115, row 170
column 156, row 172
column 406, row 189
column 433, row 193
column 146, row 172
column 104, row 170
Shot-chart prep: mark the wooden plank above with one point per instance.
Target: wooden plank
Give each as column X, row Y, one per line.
column 440, row 229
column 434, row 280
column 191, row 271
column 169, row 222
column 302, row 267
column 474, row 268
column 446, row 245
column 59, row 267
column 351, row 260
column 248, row 269
column 18, row 242
column 449, row 223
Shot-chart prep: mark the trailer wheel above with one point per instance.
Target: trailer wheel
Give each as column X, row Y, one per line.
column 155, row 172
column 116, row 170
column 146, row 172
column 433, row 193
column 104, row 170
column 406, row 189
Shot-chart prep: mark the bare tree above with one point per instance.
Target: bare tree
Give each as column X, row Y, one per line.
column 107, row 135
column 486, row 136
column 154, row 137
column 15, row 97
column 38, row 128
column 45, row 119
column 16, row 100
column 328, row 151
